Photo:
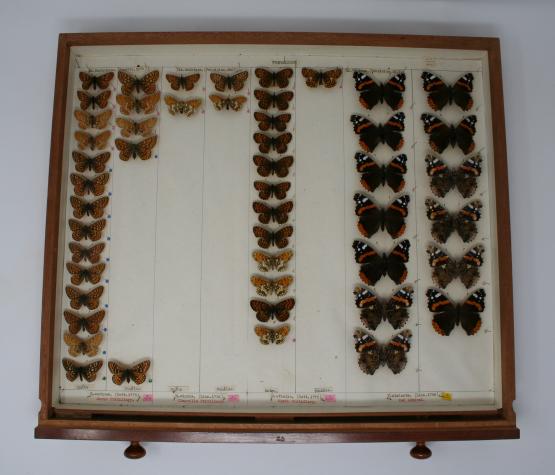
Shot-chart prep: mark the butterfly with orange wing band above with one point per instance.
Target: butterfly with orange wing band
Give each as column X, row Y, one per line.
column 448, row 314
column 445, row 223
column 442, row 135
column 373, row 218
column 374, row 309
column 373, row 92
column 464, row 178
column 374, row 266
column 371, row 135
column 374, row 175
column 445, row 269
column 441, row 94
column 372, row 354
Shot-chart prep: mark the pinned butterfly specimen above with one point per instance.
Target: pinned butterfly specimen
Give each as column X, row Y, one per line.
column 268, row 100
column 92, row 231
column 142, row 149
column 90, row 324
column 447, row 314
column 178, row 82
column 271, row 122
column 374, row 310
column 269, row 190
column 372, row 354
column 100, row 82
column 445, row 269
column 445, row 223
column 91, row 121
column 441, row 94
column 463, row 178
column 274, row 78
column 272, row 335
column 177, row 106
column 278, row 238
column 267, row 143
column 83, row 185
column 130, row 83
column 136, row 373
column 130, row 127
column 314, row 78
column 75, row 370
column 234, row 103
column 94, row 208
column 444, row 135
column 373, row 218
column 268, row 311
column 374, row 175
column 85, row 163
column 276, row 214
column 266, row 287
column 373, row 92
column 91, row 274
column 88, row 347
column 234, row 82
column 91, row 254
column 266, row 166
column 375, row 266
column 130, row 104
column 94, row 142
column 88, row 100
column 90, row 299
column 269, row 262
column 371, row 134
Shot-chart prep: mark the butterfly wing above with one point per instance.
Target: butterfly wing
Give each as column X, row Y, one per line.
column 393, row 91
column 220, row 81
column 126, row 104
column 439, row 133
column 445, row 313
column 281, row 236
column 466, row 176
column 264, row 310
column 77, row 275
column 95, row 273
column 395, row 171
column 281, row 166
column 83, row 119
column 283, row 99
column 128, row 83
column 373, row 267
column 370, row 92
column 74, row 344
column 127, row 126
column 91, row 345
column 372, row 311
column 236, row 102
column 392, row 131
column 282, row 284
column 90, row 370
column 444, row 269
column 282, row 309
column 469, row 312
column 72, row 370
column 148, row 103
column 369, row 136
column 75, row 322
column 237, row 81
column 312, row 77
column 442, row 221
column 465, row 221
column 281, row 142
column 329, row 78
column 264, row 212
column 281, row 212
column 138, row 372
column 395, row 352
column 148, row 82
column 397, row 308
column 118, row 372
column 394, row 216
column 370, row 215
column 262, row 285
column 92, row 323
column 144, row 148
column 396, row 268
column 461, row 92
column 442, row 179
column 438, row 92
column 469, row 266
column 369, row 359
column 464, row 133
column 265, row 99
column 264, row 142
column 371, row 173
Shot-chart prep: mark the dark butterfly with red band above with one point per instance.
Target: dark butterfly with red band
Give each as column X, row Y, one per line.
column 373, row 218
column 371, row 134
column 445, row 269
column 374, row 310
column 374, row 266
column 266, row 166
column 444, row 135
column 463, row 178
column 441, row 94
column 373, row 92
column 266, row 311
column 447, row 314
column 267, row 100
column 315, row 78
column 271, row 122
column 445, row 223
column 278, row 238
column 267, row 143
column 269, row 190
column 274, row 78
column 100, row 82
column 374, row 175
column 372, row 354
column 276, row 214
column 75, row 370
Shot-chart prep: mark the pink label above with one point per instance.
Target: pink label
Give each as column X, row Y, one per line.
column 233, row 397
column 330, row 398
column 148, row 397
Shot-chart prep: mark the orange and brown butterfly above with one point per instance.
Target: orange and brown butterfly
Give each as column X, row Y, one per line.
column 83, row 185
column 269, row 262
column 91, row 274
column 276, row 214
column 146, row 83
column 266, row 287
column 267, row 100
column 91, row 254
column 315, row 78
column 142, row 149
column 278, row 143
column 90, row 324
column 266, row 311
column 101, row 82
column 178, row 82
column 92, row 231
column 278, row 238
column 77, row 346
column 87, row 370
column 136, row 373
column 234, row 103
column 269, row 190
column 130, row 127
column 90, row 299
column 177, row 106
column 97, row 163
column 271, row 122
column 88, row 100
column 269, row 335
column 94, row 142
column 273, row 78
column 234, row 82
column 146, row 104
column 266, row 166
column 95, row 208
column 91, row 121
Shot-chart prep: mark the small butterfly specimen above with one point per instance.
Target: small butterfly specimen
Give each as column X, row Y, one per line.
column 91, row 254
column 178, row 82
column 463, row 178
column 94, row 142
column 268, row 100
column 88, row 347
column 276, row 214
column 90, row 299
column 373, row 218
column 100, row 82
column 371, row 135
column 234, row 82
column 142, row 149
column 136, row 373
column 266, row 311
column 130, row 83
column 266, row 287
column 95, row 208
column 441, row 94
column 266, row 166
column 130, row 104
column 234, row 103
column 444, row 135
column 373, row 92
column 278, row 238
column 90, row 324
column 267, row 143
column 372, row 354
column 130, row 127
column 445, row 269
column 445, row 223
column 269, row 190
column 75, row 370
column 91, row 121
column 273, row 78
column 375, row 266
column 92, row 231
column 270, row 122
column 88, row 100
column 179, row 107
column 374, row 175
column 447, row 314
column 85, row 163
column 374, row 310
column 91, row 274
column 316, row 78
column 272, row 335
column 83, row 185
column 269, row 262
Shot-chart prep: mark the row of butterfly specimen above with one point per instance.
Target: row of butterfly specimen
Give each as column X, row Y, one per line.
column 179, row 105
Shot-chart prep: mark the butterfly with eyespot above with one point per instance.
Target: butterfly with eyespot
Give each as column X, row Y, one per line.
column 83, row 185
column 87, row 370
column 314, row 78
column 268, row 100
column 393, row 309
column 274, row 78
column 177, row 106
column 266, row 311
column 375, row 266
column 269, row 190
column 88, row 100
column 445, row 269
column 278, row 143
column 444, row 135
column 101, row 81
column 130, row 104
column 178, row 82
column 83, row 162
column 91, row 274
column 271, row 122
column 147, row 83
column 276, row 214
column 441, row 94
column 266, row 166
column 278, row 238
column 447, row 314
column 234, row 82
column 142, row 149
column 445, row 223
column 373, row 218
column 371, row 134
column 91, row 254
column 94, row 142
column 90, row 324
column 272, row 335
column 266, row 287
column 269, row 262
column 374, row 175
column 373, row 92
column 88, row 347
column 95, row 208
column 90, row 299
column 372, row 354
column 130, row 127
column 136, row 373
column 91, row 231
column 91, row 121
column 463, row 178
column 234, row 103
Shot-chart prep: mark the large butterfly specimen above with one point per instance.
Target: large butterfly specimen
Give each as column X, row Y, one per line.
column 448, row 314
column 373, row 354
column 371, row 135
column 442, row 135
column 373, row 92
column 464, row 178
column 373, row 175
column 445, row 269
column 445, row 223
column 441, row 94
column 374, row 310
column 374, row 266
column 373, row 218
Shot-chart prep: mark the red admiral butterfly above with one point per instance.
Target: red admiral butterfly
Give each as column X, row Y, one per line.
column 446, row 223
column 441, row 94
column 267, row 190
column 442, row 135
column 444, row 179
column 374, row 309
column 372, row 354
column 278, row 214
column 374, row 175
column 375, row 266
column 373, row 218
column 445, row 269
column 372, row 92
column 448, row 314
column 371, row 135
column 267, row 311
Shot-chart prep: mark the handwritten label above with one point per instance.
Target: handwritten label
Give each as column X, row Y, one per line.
column 419, row 396
column 118, row 397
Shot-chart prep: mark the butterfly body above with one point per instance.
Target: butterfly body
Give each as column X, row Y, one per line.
column 372, row 354
column 447, row 314
column 142, row 149
column 268, row 100
column 266, row 311
column 443, row 179
column 315, row 78
column 445, row 269
column 272, row 335
column 77, row 346
column 278, row 238
column 441, row 94
column 269, row 190
column 374, row 310
column 444, row 135
column 234, row 82
column 234, row 103
column 375, row 266
column 371, row 134
column 100, row 82
column 445, row 223
column 136, row 373
column 269, row 262
column 178, row 82
column 273, row 78
column 266, row 166
column 373, row 93
column 87, row 371
column 373, row 218
column 374, row 175
column 146, row 83
column 90, row 324
column 266, row 287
